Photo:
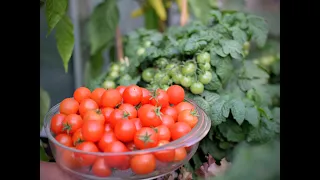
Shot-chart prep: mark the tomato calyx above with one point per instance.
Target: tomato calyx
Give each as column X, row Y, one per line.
column 194, row 112
column 138, row 106
column 126, row 115
column 158, row 112
column 67, row 127
column 98, row 111
column 146, row 138
column 78, row 141
column 155, row 129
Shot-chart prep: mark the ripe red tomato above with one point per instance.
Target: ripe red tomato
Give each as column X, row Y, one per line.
column 149, row 115
column 107, row 128
column 69, row 160
column 183, row 106
column 72, row 123
column 125, row 130
column 100, row 168
column 94, row 115
column 111, row 98
column 167, row 120
column 179, row 129
column 160, row 98
column 132, row 95
column 106, row 139
column 116, row 116
column 143, row 163
column 106, row 113
column 171, row 112
column 92, row 130
column 131, row 146
column 64, row 139
column 69, row 106
column 180, row 154
column 117, row 161
column 121, row 89
column 86, row 105
column 165, row 155
column 129, row 109
column 146, row 138
column 175, row 94
column 146, row 96
column 97, row 94
column 81, row 93
column 86, row 159
column 163, row 133
column 137, row 123
column 56, row 123
column 77, row 137
column 188, row 116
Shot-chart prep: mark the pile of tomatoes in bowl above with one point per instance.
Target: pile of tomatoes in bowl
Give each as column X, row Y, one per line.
column 125, row 133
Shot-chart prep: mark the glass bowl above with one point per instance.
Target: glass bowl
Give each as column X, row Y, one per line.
column 68, row 158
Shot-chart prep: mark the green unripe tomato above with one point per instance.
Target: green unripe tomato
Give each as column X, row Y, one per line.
column 203, row 58
column 108, row 84
column 186, row 81
column 206, row 77
column 197, row 88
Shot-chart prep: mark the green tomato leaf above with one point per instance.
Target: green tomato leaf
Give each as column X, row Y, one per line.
column 210, row 97
column 231, row 131
column 65, row 40
column 244, row 84
column 214, row 84
column 239, row 35
column 212, row 148
column 55, row 10
column 238, row 110
column 233, row 48
column 252, row 116
column 254, row 71
column 44, row 105
column 224, row 69
column 102, row 24
column 198, row 7
column 203, row 104
column 259, row 29
column 216, row 14
column 217, row 116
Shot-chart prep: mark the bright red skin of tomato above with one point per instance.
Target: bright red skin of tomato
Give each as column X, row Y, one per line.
column 100, row 168
column 129, row 109
column 125, row 130
column 148, row 116
column 97, row 94
column 69, row 160
column 111, row 98
column 116, row 116
column 94, row 115
column 106, row 113
column 64, row 139
column 107, row 128
column 163, row 133
column 179, row 129
column 72, row 123
column 188, row 117
column 117, row 161
column 137, row 123
column 132, row 95
column 81, row 93
column 180, row 154
column 146, row 95
column 160, row 98
column 131, row 146
column 106, row 139
column 165, row 155
column 171, row 112
column 175, row 94
column 143, row 163
column 146, row 138
column 56, row 123
column 92, row 131
column 183, row 106
column 121, row 89
column 69, row 106
column 86, row 105
column 167, row 120
column 86, row 159
column 77, row 137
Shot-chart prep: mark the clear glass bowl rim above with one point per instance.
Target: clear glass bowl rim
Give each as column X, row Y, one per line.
column 194, row 136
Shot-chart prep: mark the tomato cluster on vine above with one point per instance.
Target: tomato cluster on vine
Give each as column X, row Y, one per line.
column 127, row 118
column 192, row 74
